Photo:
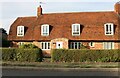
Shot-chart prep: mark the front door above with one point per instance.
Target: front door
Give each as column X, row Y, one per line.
column 59, row 45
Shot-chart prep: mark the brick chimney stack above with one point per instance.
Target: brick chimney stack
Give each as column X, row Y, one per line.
column 117, row 7
column 39, row 11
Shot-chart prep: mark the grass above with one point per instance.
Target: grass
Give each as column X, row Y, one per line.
column 63, row 65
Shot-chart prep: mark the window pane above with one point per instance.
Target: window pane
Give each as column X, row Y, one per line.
column 106, row 27
column 76, row 29
column 45, row 45
column 110, row 27
column 48, row 45
column 42, row 46
column 75, row 45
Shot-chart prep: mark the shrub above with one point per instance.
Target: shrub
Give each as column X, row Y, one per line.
column 8, row 54
column 5, row 43
column 28, row 46
column 65, row 55
column 30, row 55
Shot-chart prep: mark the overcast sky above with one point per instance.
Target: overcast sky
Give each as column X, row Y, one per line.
column 11, row 9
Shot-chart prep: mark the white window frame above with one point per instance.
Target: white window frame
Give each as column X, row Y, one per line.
column 45, row 29
column 93, row 44
column 73, row 44
column 59, row 47
column 21, row 43
column 20, row 31
column 74, row 29
column 43, row 45
column 107, row 43
column 110, row 26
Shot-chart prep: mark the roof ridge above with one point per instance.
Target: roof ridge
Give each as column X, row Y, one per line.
column 78, row 12
column 27, row 17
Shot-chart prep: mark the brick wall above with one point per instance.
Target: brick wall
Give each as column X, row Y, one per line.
column 64, row 40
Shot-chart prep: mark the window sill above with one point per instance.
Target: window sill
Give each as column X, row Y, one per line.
column 46, row 49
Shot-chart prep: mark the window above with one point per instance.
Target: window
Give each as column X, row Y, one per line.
column 45, row 45
column 91, row 44
column 75, row 29
column 75, row 45
column 108, row 45
column 109, row 30
column 21, row 43
column 20, row 31
column 45, row 30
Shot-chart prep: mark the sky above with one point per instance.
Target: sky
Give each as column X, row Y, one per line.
column 11, row 9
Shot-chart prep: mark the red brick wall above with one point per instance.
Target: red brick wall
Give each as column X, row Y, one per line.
column 64, row 40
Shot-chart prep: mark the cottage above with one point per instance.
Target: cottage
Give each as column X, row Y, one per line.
column 93, row 30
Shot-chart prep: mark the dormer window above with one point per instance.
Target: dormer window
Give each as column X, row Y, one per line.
column 20, row 31
column 75, row 29
column 45, row 30
column 109, row 29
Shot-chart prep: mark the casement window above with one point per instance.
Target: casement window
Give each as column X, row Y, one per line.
column 109, row 29
column 21, row 43
column 91, row 44
column 75, row 45
column 108, row 45
column 45, row 45
column 75, row 29
column 45, row 30
column 20, row 31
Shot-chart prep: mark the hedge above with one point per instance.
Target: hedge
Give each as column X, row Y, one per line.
column 67, row 55
column 16, row 54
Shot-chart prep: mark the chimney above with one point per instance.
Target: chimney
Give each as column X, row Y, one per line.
column 117, row 7
column 39, row 11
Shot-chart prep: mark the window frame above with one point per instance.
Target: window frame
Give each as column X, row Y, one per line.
column 20, row 30
column 72, row 45
column 45, row 45
column 93, row 44
column 107, row 43
column 110, row 28
column 74, row 29
column 45, row 29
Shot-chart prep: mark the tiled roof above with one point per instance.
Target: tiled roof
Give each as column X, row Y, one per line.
column 92, row 26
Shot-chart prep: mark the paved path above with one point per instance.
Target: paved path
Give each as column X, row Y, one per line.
column 36, row 71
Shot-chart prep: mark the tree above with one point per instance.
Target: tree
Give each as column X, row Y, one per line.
column 3, row 38
column 3, row 31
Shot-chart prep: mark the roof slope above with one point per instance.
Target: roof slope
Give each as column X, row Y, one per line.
column 28, row 22
column 92, row 26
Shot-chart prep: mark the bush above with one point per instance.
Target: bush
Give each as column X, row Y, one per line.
column 65, row 55
column 8, row 54
column 5, row 43
column 28, row 46
column 30, row 55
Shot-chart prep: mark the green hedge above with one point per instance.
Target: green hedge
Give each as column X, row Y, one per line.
column 66, row 55
column 16, row 54
column 8, row 54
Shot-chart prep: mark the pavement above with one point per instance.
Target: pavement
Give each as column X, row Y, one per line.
column 55, row 68
column 38, row 71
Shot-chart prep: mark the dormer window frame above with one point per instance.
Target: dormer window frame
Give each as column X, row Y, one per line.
column 45, row 30
column 20, row 31
column 76, row 29
column 109, row 28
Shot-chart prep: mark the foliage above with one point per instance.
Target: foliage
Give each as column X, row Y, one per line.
column 8, row 54
column 28, row 46
column 15, row 54
column 2, row 30
column 65, row 55
column 3, row 37
column 5, row 43
column 83, row 47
